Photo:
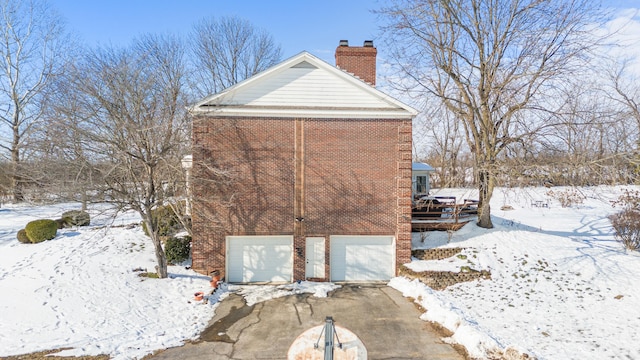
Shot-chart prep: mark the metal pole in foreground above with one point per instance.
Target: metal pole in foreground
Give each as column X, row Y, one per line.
column 328, row 338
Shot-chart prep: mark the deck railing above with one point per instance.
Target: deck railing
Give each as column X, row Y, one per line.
column 446, row 210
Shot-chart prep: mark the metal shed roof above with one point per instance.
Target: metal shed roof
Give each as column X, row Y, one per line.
column 421, row 166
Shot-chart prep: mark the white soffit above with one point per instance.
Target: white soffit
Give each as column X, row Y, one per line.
column 304, row 86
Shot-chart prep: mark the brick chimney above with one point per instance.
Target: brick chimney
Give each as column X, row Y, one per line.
column 358, row 60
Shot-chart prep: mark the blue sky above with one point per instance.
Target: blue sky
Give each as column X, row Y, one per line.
column 314, row 26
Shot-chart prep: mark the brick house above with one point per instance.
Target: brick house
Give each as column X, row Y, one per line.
column 301, row 172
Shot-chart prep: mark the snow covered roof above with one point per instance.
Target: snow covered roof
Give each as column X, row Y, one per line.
column 419, row 166
column 304, row 86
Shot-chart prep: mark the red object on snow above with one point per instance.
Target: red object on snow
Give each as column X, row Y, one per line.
column 215, row 278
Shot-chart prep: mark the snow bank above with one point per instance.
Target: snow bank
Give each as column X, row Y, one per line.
column 476, row 340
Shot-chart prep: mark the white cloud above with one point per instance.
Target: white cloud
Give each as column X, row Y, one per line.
column 624, row 31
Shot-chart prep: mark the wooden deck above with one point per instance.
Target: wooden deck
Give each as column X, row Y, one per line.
column 442, row 213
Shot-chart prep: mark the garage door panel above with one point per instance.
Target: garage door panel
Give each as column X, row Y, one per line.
column 362, row 258
column 260, row 258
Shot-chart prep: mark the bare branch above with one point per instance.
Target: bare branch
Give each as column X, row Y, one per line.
column 488, row 62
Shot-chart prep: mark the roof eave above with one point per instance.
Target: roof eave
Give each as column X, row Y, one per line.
column 320, row 113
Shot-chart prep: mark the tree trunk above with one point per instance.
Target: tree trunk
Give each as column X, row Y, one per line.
column 485, row 187
column 161, row 258
column 84, row 200
column 16, row 184
column 16, row 181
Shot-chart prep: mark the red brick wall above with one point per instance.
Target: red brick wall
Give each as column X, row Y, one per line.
column 243, row 182
column 357, row 181
column 350, row 177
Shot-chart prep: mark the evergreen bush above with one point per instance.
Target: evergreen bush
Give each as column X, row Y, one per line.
column 167, row 220
column 76, row 218
column 177, row 249
column 22, row 237
column 61, row 223
column 41, row 230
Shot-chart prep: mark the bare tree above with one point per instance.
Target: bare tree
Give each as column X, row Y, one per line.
column 447, row 150
column 66, row 169
column 228, row 50
column 33, row 47
column 135, row 124
column 623, row 89
column 625, row 92
column 489, row 60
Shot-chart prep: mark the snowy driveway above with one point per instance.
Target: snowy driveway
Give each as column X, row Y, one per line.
column 387, row 323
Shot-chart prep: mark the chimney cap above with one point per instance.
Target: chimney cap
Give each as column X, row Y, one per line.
column 344, row 42
column 368, row 43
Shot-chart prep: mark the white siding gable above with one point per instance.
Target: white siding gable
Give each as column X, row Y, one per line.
column 304, row 86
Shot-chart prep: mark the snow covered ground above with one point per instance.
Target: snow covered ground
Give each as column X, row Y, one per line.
column 561, row 287
column 80, row 289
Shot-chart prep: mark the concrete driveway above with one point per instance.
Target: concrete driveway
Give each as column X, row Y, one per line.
column 385, row 321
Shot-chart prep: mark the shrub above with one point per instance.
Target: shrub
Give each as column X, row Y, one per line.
column 41, row 230
column 76, row 218
column 148, row 275
column 567, row 198
column 22, row 237
column 61, row 223
column 167, row 220
column 626, row 225
column 177, row 249
column 630, row 199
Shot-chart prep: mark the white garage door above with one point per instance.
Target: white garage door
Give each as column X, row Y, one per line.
column 362, row 258
column 259, row 258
